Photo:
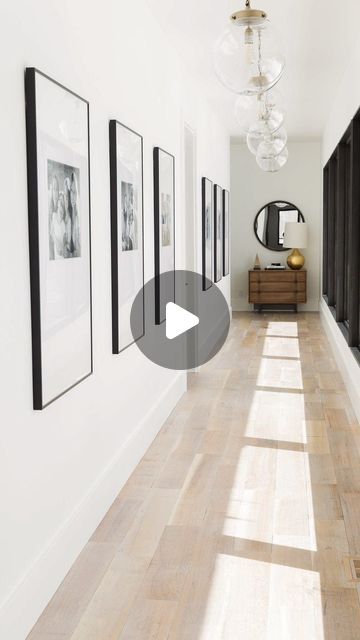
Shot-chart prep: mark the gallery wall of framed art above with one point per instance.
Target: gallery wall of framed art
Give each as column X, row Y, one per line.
column 218, row 233
column 215, row 232
column 57, row 127
column 93, row 435
column 127, row 231
column 164, row 229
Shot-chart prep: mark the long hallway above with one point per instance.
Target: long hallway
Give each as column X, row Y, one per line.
column 242, row 519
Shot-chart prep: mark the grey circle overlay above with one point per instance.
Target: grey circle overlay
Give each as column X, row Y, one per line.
column 193, row 347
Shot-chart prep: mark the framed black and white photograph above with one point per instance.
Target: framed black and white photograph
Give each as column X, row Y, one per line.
column 226, row 233
column 57, row 129
column 207, row 232
column 218, row 233
column 127, row 231
column 164, row 229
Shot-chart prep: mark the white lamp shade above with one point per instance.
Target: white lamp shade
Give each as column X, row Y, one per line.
column 295, row 236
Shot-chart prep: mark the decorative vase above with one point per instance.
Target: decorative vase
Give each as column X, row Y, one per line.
column 257, row 265
column 295, row 260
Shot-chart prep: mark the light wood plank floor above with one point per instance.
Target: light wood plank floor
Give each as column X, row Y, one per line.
column 241, row 520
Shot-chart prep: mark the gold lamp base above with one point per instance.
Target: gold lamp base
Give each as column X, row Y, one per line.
column 296, row 260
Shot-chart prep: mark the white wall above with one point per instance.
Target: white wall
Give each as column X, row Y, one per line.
column 345, row 103
column 298, row 182
column 61, row 468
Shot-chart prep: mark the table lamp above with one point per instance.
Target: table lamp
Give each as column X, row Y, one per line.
column 295, row 236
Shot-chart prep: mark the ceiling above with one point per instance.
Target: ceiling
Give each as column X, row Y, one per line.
column 317, row 41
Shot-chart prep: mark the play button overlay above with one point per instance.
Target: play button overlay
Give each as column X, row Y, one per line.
column 185, row 326
column 178, row 320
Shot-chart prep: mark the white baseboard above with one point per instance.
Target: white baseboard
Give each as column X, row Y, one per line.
column 311, row 305
column 241, row 304
column 349, row 368
column 25, row 603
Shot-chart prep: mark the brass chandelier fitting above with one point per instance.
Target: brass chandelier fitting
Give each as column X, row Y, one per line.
column 248, row 16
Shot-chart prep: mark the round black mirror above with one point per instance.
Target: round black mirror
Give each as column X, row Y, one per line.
column 270, row 221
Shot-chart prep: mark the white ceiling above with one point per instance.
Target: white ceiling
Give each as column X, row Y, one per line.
column 318, row 36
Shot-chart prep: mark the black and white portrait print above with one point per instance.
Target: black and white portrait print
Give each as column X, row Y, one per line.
column 64, row 210
column 129, row 235
column 165, row 219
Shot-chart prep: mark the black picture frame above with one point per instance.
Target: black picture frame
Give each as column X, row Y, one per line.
column 218, row 233
column 207, row 232
column 118, row 346
column 164, row 258
column 37, row 222
column 226, row 232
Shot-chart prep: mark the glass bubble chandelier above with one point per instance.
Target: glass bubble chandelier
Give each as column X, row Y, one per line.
column 248, row 61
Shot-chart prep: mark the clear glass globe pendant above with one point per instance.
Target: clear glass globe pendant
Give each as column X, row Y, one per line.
column 260, row 113
column 254, row 140
column 272, row 146
column 266, row 143
column 247, row 56
column 275, row 163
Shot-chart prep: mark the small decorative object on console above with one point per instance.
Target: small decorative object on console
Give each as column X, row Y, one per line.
column 276, row 265
column 257, row 264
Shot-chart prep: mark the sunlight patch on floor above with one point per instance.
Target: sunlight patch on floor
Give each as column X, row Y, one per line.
column 249, row 513
column 271, row 498
column 270, row 512
column 281, row 347
column 237, row 602
column 286, row 329
column 312, row 528
column 293, row 505
column 295, row 608
column 241, row 605
column 276, row 415
column 281, row 373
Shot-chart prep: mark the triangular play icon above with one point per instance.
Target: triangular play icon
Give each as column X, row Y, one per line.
column 178, row 320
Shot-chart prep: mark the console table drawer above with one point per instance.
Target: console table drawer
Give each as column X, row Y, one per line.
column 277, row 287
column 273, row 276
column 277, row 275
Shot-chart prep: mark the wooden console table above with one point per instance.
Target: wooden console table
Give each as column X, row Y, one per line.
column 277, row 287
